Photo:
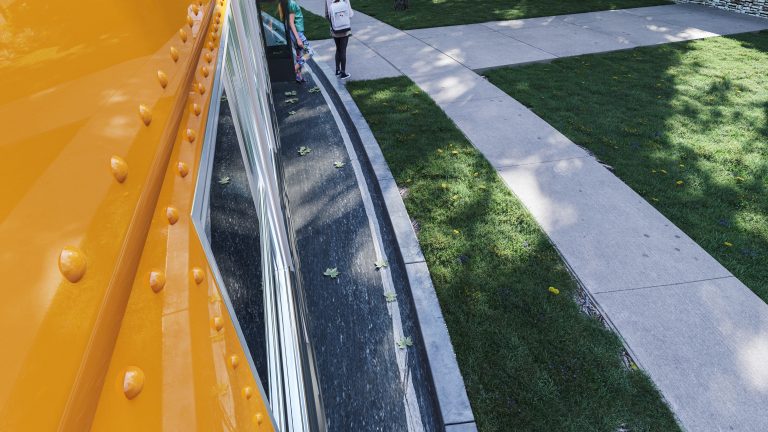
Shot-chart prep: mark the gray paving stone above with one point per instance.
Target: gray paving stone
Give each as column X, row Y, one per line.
column 705, row 345
column 715, row 23
column 641, row 30
column 375, row 156
column 520, row 24
column 457, row 87
column 362, row 62
column 475, row 52
column 507, row 133
column 694, row 12
column 569, row 40
column 368, row 30
column 591, row 17
column 413, row 57
column 458, row 31
column 463, row 427
column 654, row 11
column 401, row 223
column 609, row 235
column 449, row 388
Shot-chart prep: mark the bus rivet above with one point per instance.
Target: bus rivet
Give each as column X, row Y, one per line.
column 119, row 168
column 172, row 214
column 133, row 382
column 156, row 281
column 218, row 323
column 258, row 418
column 247, row 392
column 183, row 169
column 198, row 275
column 174, row 54
column 145, row 114
column 162, row 78
column 72, row 263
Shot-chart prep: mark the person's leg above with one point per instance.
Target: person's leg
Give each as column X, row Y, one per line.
column 337, row 41
column 343, row 57
column 296, row 56
column 342, row 51
column 300, row 58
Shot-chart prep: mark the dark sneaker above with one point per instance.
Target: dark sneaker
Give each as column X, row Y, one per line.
column 344, row 75
column 338, row 72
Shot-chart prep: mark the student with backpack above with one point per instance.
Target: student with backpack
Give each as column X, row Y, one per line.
column 339, row 12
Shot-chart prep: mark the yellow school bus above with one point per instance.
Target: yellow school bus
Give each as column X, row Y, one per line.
column 113, row 317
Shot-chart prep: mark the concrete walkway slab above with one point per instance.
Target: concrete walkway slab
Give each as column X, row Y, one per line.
column 414, row 57
column 568, row 40
column 476, row 53
column 721, row 24
column 611, row 237
column 458, row 31
column 509, row 134
column 369, row 64
column 448, row 87
column 642, row 31
column 705, row 345
column 527, row 23
column 377, row 32
column 606, row 16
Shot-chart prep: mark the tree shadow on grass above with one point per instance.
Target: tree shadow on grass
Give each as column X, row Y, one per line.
column 529, row 357
column 435, row 13
column 692, row 112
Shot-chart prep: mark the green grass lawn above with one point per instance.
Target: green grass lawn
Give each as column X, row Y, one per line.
column 315, row 26
column 693, row 112
column 531, row 360
column 435, row 13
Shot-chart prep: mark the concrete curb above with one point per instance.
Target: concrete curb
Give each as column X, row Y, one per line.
column 448, row 383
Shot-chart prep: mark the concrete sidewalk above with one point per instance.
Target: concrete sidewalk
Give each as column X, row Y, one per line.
column 504, row 43
column 698, row 332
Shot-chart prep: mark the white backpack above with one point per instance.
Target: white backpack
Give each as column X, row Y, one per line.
column 340, row 14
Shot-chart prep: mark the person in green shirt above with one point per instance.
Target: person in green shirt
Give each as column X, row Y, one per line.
column 296, row 24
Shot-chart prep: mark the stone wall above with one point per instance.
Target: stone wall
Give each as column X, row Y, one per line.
column 749, row 7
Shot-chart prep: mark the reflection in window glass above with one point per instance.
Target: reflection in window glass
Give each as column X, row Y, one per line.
column 288, row 371
column 235, row 237
column 274, row 30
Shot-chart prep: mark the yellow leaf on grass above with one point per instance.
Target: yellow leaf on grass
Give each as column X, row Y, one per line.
column 554, row 290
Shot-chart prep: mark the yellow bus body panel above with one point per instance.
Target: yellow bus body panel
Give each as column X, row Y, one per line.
column 97, row 113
